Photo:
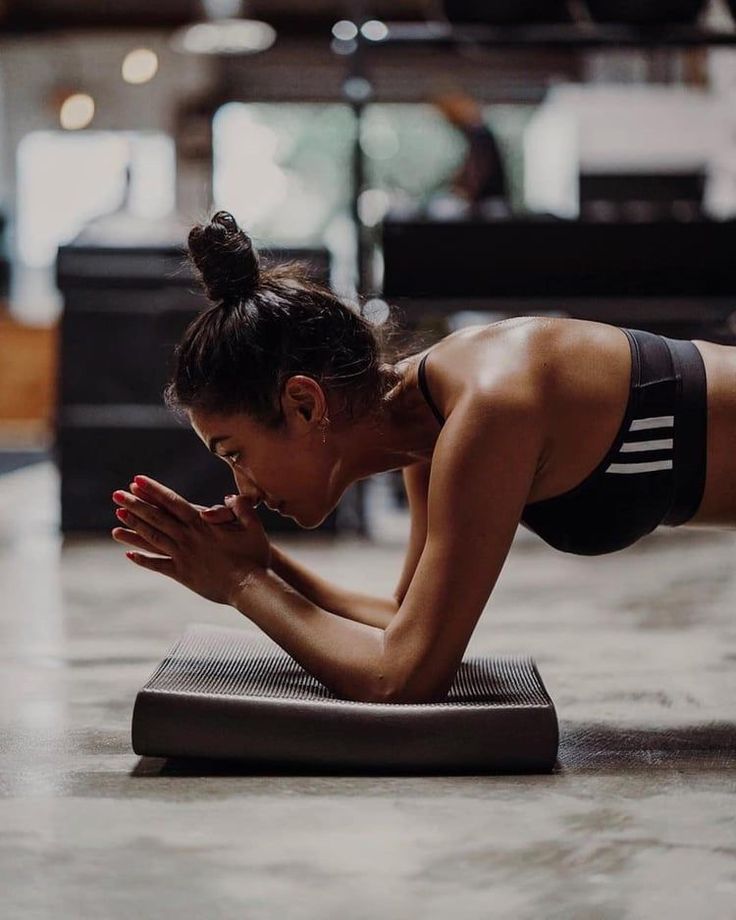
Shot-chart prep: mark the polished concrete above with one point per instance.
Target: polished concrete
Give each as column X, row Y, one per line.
column 637, row 649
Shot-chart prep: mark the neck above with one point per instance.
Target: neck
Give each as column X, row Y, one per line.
column 404, row 432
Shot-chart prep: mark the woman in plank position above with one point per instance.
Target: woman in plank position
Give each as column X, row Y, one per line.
column 588, row 434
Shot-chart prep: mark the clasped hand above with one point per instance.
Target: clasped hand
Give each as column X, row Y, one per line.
column 208, row 550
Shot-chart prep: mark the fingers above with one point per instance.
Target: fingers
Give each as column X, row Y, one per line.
column 217, row 514
column 156, row 563
column 241, row 507
column 165, row 497
column 158, row 538
column 130, row 537
column 157, row 517
column 201, row 508
column 214, row 514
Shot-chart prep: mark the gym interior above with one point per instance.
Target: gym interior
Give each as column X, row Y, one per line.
column 453, row 163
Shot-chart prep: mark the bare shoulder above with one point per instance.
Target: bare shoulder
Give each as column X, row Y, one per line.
column 505, row 360
column 573, row 365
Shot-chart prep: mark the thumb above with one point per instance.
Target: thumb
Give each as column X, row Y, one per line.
column 240, row 507
column 217, row 514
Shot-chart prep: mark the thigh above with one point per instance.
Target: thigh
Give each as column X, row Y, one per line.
column 718, row 507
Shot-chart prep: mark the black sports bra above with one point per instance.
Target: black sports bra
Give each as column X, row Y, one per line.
column 608, row 511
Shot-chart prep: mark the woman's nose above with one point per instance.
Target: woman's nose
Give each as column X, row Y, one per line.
column 246, row 488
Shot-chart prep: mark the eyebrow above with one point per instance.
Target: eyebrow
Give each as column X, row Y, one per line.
column 213, row 442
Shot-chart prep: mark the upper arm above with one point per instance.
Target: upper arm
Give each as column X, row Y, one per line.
column 416, row 483
column 482, row 471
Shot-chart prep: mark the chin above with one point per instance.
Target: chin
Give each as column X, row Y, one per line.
column 312, row 521
column 309, row 524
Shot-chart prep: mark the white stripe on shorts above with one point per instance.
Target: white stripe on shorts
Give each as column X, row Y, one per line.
column 639, row 467
column 663, row 444
column 658, row 421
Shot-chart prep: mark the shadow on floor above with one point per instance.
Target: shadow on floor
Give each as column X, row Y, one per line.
column 584, row 748
column 596, row 747
column 200, row 766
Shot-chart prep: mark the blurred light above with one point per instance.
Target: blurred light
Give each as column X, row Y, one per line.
column 152, row 163
column 247, row 178
column 372, row 205
column 77, row 111
column 64, row 180
column 225, row 36
column 378, row 140
column 376, row 311
column 67, row 178
column 140, row 66
column 222, row 9
column 374, row 30
column 340, row 47
column 344, row 30
column 357, row 89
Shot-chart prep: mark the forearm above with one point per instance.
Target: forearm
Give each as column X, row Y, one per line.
column 346, row 656
column 362, row 608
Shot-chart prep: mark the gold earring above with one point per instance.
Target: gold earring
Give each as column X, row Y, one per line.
column 324, row 429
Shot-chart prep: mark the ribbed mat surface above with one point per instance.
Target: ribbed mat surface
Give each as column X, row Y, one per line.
column 212, row 660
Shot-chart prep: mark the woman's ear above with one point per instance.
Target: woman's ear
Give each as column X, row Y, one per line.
column 305, row 395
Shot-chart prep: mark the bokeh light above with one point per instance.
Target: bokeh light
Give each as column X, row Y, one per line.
column 140, row 65
column 77, row 111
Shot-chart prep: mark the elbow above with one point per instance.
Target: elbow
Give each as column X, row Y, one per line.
column 387, row 685
column 401, row 689
column 404, row 678
column 383, row 690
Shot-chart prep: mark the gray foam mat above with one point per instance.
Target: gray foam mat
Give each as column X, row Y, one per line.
column 220, row 693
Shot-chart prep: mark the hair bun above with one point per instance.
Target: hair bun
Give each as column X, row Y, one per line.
column 224, row 257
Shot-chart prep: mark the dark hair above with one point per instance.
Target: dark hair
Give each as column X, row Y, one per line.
column 267, row 323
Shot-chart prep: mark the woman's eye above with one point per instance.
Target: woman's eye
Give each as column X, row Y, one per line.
column 232, row 457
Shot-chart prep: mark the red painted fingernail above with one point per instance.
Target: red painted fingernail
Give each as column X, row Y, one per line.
column 117, row 495
column 122, row 514
column 141, row 480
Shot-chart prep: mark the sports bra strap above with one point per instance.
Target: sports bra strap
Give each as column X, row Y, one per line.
column 422, row 376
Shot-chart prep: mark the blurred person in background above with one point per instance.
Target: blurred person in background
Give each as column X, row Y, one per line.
column 482, row 175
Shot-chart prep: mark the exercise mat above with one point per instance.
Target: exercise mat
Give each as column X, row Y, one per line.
column 220, row 693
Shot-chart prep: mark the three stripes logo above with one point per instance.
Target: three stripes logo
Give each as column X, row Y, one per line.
column 647, row 446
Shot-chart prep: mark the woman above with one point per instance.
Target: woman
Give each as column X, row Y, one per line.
column 589, row 434
column 481, row 173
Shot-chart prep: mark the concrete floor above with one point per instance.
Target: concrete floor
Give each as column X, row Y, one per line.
column 637, row 649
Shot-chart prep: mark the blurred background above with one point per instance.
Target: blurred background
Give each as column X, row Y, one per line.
column 462, row 161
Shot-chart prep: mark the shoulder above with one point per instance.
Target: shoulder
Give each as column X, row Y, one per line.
column 497, row 366
column 494, row 393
